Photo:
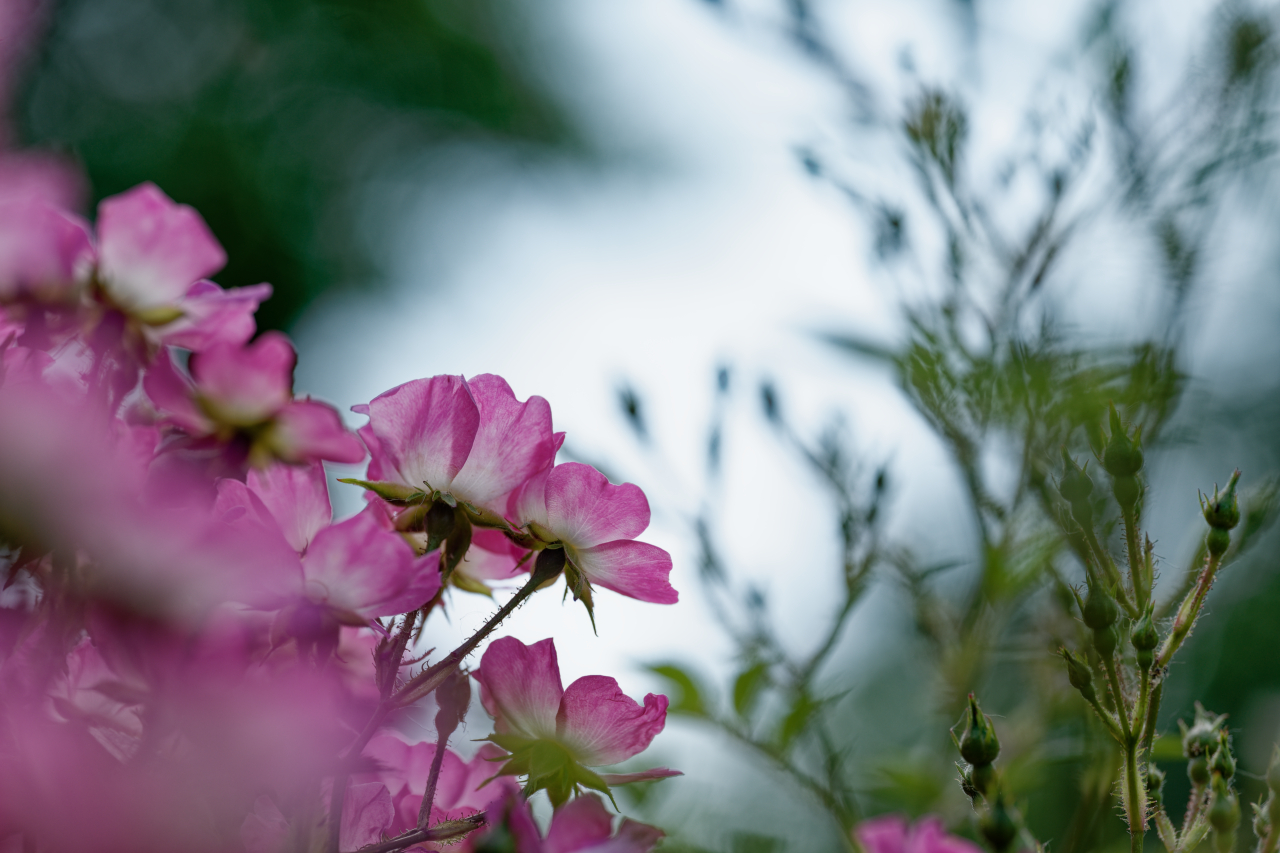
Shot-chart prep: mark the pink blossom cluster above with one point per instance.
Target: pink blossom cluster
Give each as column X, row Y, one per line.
column 195, row 655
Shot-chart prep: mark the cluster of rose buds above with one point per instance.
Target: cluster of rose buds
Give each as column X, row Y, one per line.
column 195, row 656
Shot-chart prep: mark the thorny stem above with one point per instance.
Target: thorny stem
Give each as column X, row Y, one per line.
column 418, row 836
column 1135, row 796
column 1108, row 719
column 1113, row 678
column 425, row 682
column 424, row 813
column 1189, row 610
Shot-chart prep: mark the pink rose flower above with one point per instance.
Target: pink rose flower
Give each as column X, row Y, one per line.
column 893, row 834
column 554, row 734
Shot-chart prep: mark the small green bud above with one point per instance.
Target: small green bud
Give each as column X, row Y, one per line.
column 1079, row 675
column 1202, row 735
column 1100, row 610
column 1223, row 763
column 1222, row 511
column 1224, row 809
column 1075, row 488
column 978, row 744
column 997, row 826
column 1144, row 634
column 1106, row 641
column 1198, row 771
column 1123, row 456
column 1218, row 541
column 1155, row 785
column 1127, row 491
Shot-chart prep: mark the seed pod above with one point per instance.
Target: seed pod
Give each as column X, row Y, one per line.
column 1106, row 641
column 1154, row 779
column 1127, row 491
column 1217, row 542
column 1224, row 810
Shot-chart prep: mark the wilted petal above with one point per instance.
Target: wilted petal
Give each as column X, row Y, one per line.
column 296, row 495
column 512, row 442
column 520, row 686
column 425, row 429
column 361, row 566
column 211, row 315
column 635, row 569
column 152, row 250
column 584, row 825
column 307, row 430
column 585, row 509
column 43, row 250
column 366, row 813
column 603, row 725
column 246, row 385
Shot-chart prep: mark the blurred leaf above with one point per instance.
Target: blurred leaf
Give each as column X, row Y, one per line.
column 689, row 698
column 802, row 709
column 747, row 687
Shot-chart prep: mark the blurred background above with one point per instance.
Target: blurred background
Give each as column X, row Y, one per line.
column 834, row 282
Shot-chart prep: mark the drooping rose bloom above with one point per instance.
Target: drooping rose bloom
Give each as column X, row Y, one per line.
column 597, row 522
column 554, row 734
column 582, row 825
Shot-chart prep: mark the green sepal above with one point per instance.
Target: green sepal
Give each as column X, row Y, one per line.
column 466, row 583
column 396, row 493
column 577, row 584
column 455, row 545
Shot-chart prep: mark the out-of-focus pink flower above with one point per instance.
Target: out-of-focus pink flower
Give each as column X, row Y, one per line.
column 592, row 722
column 469, row 439
column 45, row 253
column 460, row 790
column 153, row 257
column 580, row 826
column 893, row 834
column 585, row 826
column 244, row 394
column 597, row 522
column 329, row 575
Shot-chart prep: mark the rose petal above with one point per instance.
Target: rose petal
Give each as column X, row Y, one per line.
column 246, row 385
column 585, row 509
column 520, row 686
column 152, row 250
column 366, row 813
column 297, row 498
column 512, row 442
column 579, row 824
column 171, row 393
column 211, row 315
column 425, row 429
column 43, row 250
column 635, row 569
column 602, row 725
column 308, row 430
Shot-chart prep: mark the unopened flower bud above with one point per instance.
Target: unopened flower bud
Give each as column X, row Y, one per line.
column 1145, row 638
column 1106, row 640
column 1222, row 511
column 1075, row 488
column 1100, row 610
column 982, row 777
column 1123, row 456
column 1224, row 810
column 1127, row 491
column 1079, row 675
column 1223, row 763
column 1198, row 771
column 1202, row 735
column 1155, row 785
column 1217, row 542
column 978, row 744
column 997, row 825
column 453, row 698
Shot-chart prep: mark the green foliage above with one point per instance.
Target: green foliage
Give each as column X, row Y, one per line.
column 269, row 116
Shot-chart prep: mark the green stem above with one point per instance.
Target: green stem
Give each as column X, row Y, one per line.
column 1113, row 678
column 1137, row 574
column 1189, row 610
column 1108, row 566
column 1135, row 796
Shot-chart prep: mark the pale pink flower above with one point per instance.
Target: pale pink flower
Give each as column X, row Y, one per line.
column 592, row 721
column 471, row 440
column 597, row 522
column 460, row 790
column 153, row 258
column 580, row 826
column 245, row 394
column 347, row 573
column 893, row 834
column 45, row 252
